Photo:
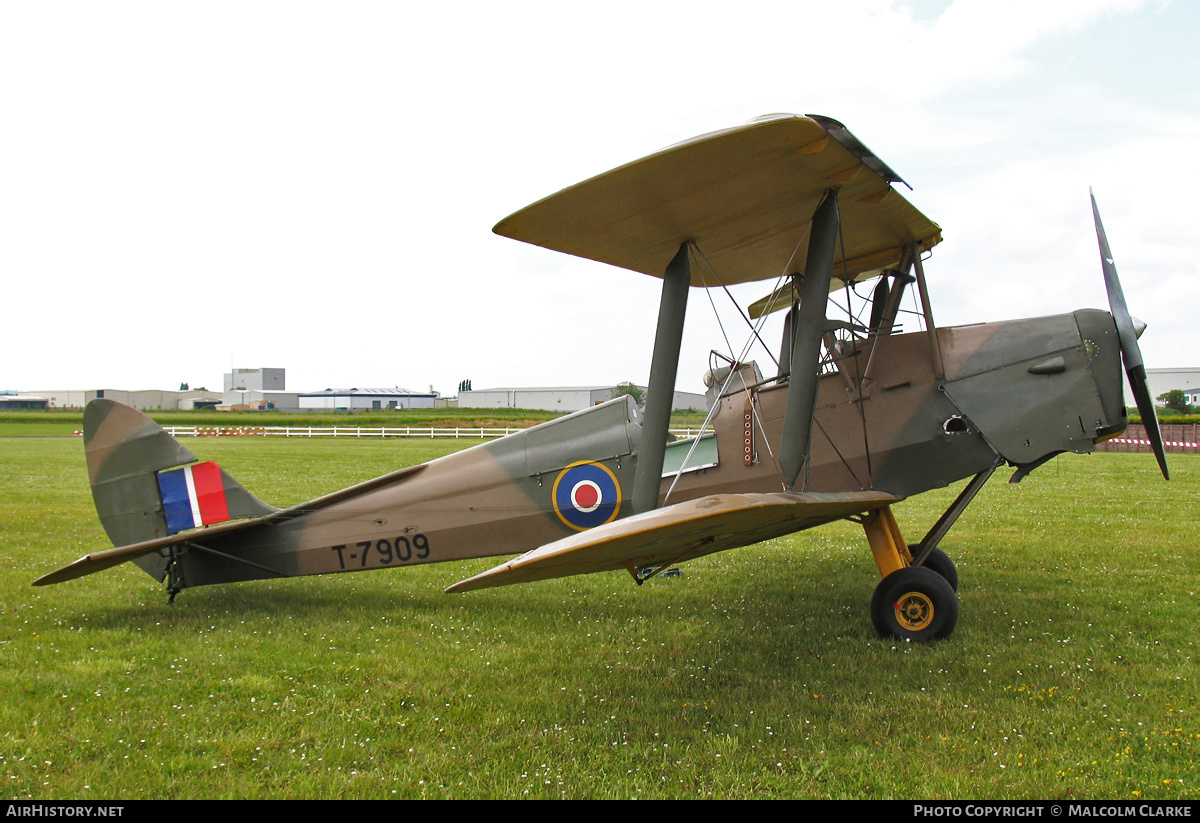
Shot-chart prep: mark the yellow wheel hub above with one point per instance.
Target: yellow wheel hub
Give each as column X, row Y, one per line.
column 914, row 611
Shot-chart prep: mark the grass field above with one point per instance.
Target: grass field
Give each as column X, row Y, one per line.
column 1072, row 673
column 62, row 422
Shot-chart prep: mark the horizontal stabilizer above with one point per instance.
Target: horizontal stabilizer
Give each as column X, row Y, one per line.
column 99, row 561
column 679, row 532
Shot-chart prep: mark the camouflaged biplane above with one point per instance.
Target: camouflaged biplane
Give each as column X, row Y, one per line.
column 853, row 416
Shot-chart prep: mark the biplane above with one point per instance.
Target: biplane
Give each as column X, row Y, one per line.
column 854, row 415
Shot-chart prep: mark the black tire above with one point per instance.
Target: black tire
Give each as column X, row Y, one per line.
column 914, row 603
column 941, row 563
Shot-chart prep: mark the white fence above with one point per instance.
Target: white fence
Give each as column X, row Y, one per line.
column 335, row 431
column 356, row 431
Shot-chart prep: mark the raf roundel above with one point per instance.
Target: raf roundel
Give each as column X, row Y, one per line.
column 586, row 495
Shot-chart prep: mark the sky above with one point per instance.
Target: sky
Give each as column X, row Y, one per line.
column 191, row 187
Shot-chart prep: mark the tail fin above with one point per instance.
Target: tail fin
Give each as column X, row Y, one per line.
column 137, row 500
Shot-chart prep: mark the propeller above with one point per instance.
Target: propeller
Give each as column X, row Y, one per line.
column 1127, row 333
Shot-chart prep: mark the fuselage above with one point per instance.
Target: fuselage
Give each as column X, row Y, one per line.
column 885, row 419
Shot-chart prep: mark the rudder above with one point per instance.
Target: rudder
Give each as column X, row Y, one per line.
column 126, row 451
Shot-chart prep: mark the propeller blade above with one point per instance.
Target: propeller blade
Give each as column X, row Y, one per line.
column 1128, row 334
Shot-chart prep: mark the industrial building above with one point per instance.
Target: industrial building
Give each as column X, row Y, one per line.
column 12, row 401
column 256, row 380
column 1162, row 381
column 266, row 389
column 147, row 399
column 558, row 398
column 258, row 389
column 367, row 399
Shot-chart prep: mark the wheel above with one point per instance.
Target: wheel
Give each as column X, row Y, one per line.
column 941, row 563
column 915, row 603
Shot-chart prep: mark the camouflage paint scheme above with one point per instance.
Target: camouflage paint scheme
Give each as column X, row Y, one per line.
column 495, row 498
column 894, row 415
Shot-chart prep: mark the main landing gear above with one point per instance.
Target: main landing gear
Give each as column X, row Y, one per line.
column 916, row 599
column 912, row 602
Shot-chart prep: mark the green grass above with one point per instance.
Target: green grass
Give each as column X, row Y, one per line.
column 1168, row 416
column 1071, row 673
column 73, row 418
column 61, row 423
column 40, row 429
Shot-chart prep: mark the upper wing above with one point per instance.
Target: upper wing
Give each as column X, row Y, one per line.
column 679, row 532
column 743, row 195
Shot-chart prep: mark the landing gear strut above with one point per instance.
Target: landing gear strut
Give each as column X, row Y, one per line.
column 940, row 562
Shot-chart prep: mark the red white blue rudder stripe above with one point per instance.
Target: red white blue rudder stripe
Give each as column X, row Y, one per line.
column 586, row 495
column 193, row 496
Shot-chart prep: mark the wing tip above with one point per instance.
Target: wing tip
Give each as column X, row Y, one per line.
column 483, row 580
column 67, row 572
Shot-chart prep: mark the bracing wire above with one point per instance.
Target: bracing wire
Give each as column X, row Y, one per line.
column 862, row 406
column 755, row 329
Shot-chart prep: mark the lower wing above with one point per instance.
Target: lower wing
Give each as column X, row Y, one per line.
column 680, row 532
